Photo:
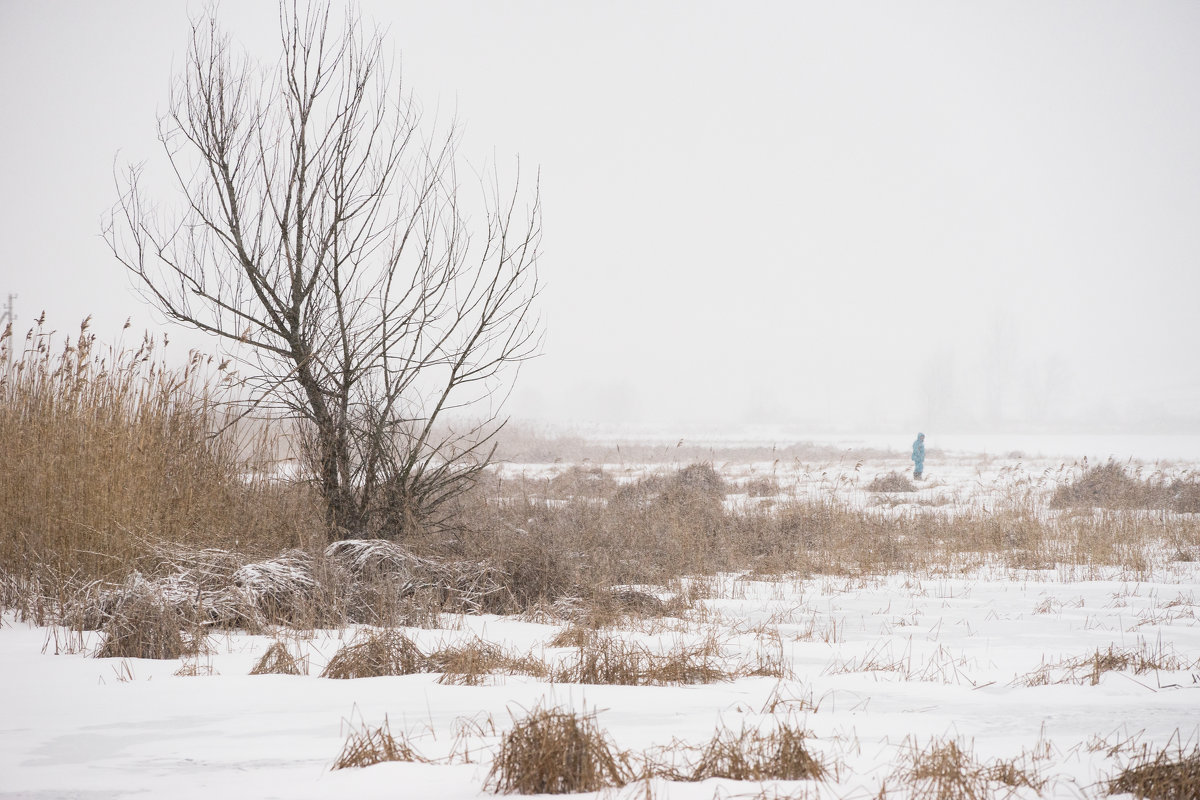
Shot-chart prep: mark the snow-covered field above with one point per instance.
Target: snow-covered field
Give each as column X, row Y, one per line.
column 874, row 668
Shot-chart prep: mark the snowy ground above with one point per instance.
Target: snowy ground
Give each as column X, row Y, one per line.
column 872, row 668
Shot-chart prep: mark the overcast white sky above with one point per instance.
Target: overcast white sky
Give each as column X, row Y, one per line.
column 852, row 215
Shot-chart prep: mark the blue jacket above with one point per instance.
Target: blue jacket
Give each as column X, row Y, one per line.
column 919, row 449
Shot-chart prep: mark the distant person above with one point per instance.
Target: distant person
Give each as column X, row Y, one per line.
column 918, row 456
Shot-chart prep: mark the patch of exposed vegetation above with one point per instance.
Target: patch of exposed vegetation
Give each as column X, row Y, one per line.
column 1109, row 485
column 891, row 482
column 1171, row 774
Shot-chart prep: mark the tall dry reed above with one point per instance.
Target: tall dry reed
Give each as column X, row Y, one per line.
column 106, row 449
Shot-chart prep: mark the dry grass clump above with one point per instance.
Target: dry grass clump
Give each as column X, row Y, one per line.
column 780, row 754
column 582, row 481
column 696, row 485
column 1166, row 775
column 376, row 655
column 700, row 478
column 614, row 661
column 572, row 636
column 225, row 589
column 1110, row 486
column 892, row 482
column 277, row 661
column 143, row 624
column 192, row 668
column 197, row 585
column 635, row 602
column 384, row 573
column 942, row 771
column 390, row 652
column 284, row 588
column 556, row 752
column 946, row 770
column 374, row 746
column 610, row 607
column 761, row 487
column 469, row 663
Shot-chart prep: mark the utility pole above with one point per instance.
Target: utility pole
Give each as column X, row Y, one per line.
column 6, row 321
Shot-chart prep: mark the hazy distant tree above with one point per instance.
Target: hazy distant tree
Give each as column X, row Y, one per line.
column 325, row 238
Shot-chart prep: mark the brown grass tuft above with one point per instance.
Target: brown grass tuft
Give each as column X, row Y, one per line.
column 892, row 482
column 556, row 752
column 750, row 755
column 468, row 664
column 277, row 661
column 582, row 481
column 376, row 655
column 614, row 661
column 572, row 636
column 762, row 487
column 368, row 746
column 943, row 771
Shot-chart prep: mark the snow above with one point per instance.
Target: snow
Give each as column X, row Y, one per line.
column 873, row 666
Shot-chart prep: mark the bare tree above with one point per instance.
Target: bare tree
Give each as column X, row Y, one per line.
column 325, row 239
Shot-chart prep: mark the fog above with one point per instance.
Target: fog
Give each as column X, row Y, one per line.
column 850, row 216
